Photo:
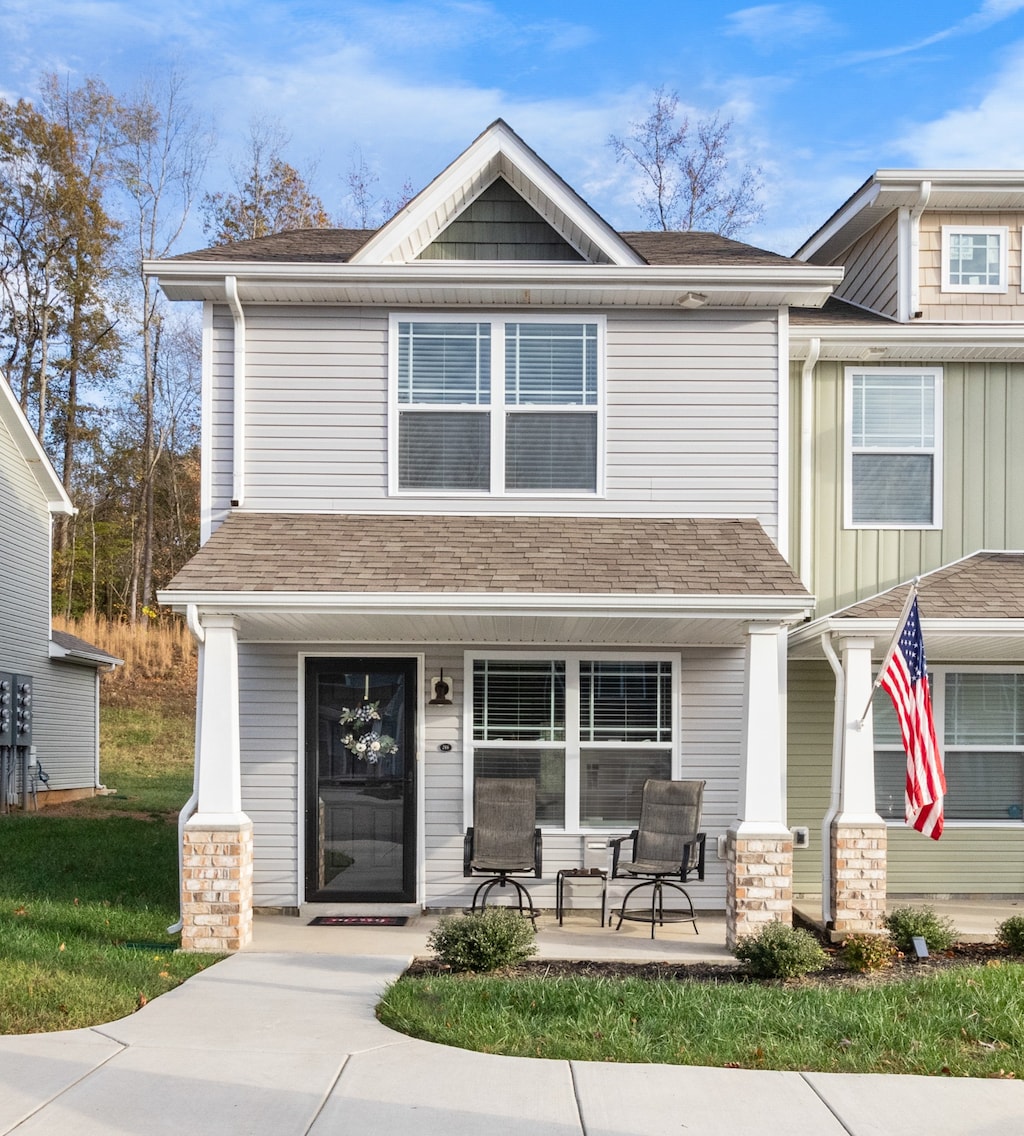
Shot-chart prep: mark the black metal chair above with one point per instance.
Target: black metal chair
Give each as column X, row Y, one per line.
column 504, row 839
column 666, row 847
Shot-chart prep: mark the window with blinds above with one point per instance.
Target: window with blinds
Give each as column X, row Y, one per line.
column 590, row 732
column 979, row 724
column 893, row 427
column 467, row 391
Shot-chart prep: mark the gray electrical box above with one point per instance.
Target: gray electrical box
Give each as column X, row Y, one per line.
column 23, row 709
column 6, row 710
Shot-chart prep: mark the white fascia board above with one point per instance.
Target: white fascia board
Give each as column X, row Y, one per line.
column 69, row 655
column 12, row 416
column 497, row 139
column 774, row 607
column 899, row 335
column 882, row 628
column 202, row 280
column 864, row 197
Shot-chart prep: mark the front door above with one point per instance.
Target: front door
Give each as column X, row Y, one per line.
column 360, row 778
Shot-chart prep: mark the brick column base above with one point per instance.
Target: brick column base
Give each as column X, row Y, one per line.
column 858, row 877
column 216, row 887
column 759, row 883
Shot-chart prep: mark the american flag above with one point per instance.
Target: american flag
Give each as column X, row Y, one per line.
column 905, row 677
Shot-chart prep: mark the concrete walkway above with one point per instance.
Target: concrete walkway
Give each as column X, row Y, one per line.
column 281, row 1042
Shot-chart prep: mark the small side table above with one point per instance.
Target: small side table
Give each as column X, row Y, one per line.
column 580, row 875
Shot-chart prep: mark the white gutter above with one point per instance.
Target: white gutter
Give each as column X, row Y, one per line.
column 838, row 731
column 807, row 458
column 189, row 807
column 914, row 251
column 238, row 410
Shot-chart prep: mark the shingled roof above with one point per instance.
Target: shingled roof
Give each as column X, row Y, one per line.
column 987, row 585
column 304, row 552
column 336, row 246
column 838, row 312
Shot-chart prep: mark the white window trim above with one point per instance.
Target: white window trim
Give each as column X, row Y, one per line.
column 935, row 451
column 497, row 321
column 572, row 660
column 937, row 689
column 1002, row 231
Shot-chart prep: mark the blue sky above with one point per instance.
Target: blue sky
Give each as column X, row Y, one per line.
column 821, row 94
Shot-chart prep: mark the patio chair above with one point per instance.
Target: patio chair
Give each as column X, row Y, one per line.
column 504, row 839
column 666, row 847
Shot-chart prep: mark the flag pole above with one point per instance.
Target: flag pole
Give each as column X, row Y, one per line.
column 911, row 596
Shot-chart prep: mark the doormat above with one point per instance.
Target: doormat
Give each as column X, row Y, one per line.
column 359, row 921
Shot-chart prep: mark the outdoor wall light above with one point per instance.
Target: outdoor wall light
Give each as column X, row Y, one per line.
column 442, row 689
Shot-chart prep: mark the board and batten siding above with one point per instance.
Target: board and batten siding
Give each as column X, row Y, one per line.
column 64, row 696
column 872, row 277
column 982, row 487
column 978, row 859
column 691, row 425
column 270, row 706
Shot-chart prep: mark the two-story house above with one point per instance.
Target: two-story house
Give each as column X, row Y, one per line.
column 516, row 483
column 907, row 446
column 63, row 669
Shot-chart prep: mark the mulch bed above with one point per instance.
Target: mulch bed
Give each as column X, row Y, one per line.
column 961, row 954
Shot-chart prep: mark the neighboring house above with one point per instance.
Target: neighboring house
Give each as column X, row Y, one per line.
column 515, row 479
column 907, row 445
column 65, row 670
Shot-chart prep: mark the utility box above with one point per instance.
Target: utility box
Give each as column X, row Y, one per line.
column 22, row 709
column 595, row 852
column 6, row 710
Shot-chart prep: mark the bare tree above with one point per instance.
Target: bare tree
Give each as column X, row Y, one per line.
column 163, row 154
column 689, row 182
column 365, row 209
column 269, row 194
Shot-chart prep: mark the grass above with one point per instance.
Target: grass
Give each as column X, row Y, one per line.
column 87, row 890
column 965, row 1022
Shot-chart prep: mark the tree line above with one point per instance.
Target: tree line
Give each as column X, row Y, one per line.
column 92, row 185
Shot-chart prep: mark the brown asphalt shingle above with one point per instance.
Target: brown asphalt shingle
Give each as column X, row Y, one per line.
column 835, row 311
column 305, row 552
column 988, row 585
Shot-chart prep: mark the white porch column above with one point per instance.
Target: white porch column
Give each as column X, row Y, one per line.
column 217, row 854
column 858, row 835
column 759, row 871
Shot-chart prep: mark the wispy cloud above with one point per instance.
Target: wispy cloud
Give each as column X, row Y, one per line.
column 775, row 27
column 991, row 12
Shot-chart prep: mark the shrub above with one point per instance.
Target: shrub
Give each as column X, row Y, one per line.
column 779, row 951
column 864, row 952
column 1011, row 933
column 938, row 931
column 485, row 940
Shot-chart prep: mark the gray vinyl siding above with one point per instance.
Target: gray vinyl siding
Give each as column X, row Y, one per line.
column 872, row 279
column 270, row 704
column 64, row 696
column 967, row 860
column 982, row 472
column 692, row 415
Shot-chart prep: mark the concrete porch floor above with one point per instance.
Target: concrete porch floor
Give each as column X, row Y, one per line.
column 976, row 919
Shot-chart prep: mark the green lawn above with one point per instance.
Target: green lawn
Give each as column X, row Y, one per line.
column 960, row 1022
column 86, row 896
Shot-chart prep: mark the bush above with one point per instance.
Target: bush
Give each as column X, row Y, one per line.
column 1011, row 934
column 486, row 940
column 938, row 931
column 779, row 951
column 864, row 952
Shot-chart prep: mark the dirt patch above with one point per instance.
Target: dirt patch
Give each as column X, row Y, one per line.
column 961, row 954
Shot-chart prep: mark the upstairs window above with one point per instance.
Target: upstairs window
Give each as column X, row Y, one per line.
column 974, row 258
column 496, row 406
column 893, row 471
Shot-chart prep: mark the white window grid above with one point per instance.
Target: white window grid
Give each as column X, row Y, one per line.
column 935, row 450
column 497, row 407
column 572, row 745
column 949, row 235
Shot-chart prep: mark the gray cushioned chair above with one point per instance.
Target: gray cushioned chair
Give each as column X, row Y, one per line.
column 667, row 847
column 504, row 839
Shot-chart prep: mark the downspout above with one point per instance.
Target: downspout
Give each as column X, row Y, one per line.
column 838, row 732
column 189, row 808
column 914, row 257
column 807, row 457
column 238, row 403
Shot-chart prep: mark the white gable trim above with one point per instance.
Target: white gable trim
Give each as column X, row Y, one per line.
column 13, row 418
column 499, row 151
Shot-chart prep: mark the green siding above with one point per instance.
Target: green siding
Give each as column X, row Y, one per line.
column 983, row 483
column 500, row 225
column 970, row 860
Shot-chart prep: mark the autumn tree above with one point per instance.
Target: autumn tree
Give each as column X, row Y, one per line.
column 269, row 194
column 687, row 174
column 364, row 207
